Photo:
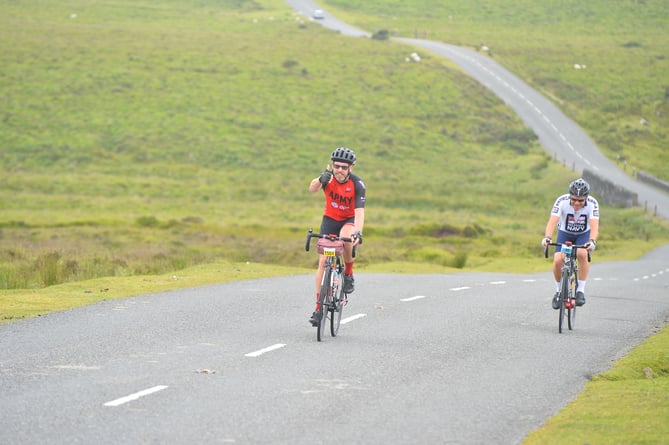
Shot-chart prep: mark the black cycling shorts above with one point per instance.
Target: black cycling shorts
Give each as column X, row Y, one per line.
column 330, row 226
column 575, row 238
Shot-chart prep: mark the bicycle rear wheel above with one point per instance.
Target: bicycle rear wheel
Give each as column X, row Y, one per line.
column 338, row 307
column 323, row 299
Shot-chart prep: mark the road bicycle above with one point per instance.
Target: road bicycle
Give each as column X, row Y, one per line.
column 568, row 282
column 331, row 298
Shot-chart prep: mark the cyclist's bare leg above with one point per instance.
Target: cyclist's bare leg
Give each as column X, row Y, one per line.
column 583, row 265
column 319, row 277
column 319, row 274
column 347, row 232
column 558, row 260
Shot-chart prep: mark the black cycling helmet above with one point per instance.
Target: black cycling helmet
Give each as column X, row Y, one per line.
column 343, row 154
column 579, row 188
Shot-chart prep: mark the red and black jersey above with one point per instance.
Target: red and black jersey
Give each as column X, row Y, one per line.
column 341, row 199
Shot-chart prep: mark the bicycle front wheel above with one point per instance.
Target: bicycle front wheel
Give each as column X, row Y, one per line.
column 571, row 312
column 324, row 301
column 564, row 295
column 338, row 307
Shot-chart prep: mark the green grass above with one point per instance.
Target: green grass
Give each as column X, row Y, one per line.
column 623, row 45
column 146, row 137
column 628, row 404
column 147, row 146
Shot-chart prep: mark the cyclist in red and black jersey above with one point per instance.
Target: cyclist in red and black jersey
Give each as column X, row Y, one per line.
column 344, row 213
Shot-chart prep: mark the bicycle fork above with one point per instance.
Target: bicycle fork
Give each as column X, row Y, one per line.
column 337, row 283
column 572, row 280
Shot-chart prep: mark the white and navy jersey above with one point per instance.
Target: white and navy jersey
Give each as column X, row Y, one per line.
column 572, row 221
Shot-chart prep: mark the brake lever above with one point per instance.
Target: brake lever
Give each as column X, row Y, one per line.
column 308, row 243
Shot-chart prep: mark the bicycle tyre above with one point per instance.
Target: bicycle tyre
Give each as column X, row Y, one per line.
column 338, row 306
column 571, row 313
column 564, row 294
column 323, row 301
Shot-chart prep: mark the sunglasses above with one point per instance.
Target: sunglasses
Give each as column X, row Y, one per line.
column 340, row 166
column 577, row 199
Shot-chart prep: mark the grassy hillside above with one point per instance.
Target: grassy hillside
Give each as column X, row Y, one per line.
column 145, row 137
column 620, row 47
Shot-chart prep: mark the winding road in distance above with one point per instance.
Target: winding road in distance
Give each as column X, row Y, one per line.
column 467, row 358
column 559, row 135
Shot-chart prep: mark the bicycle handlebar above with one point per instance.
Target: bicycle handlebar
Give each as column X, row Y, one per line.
column 331, row 237
column 574, row 246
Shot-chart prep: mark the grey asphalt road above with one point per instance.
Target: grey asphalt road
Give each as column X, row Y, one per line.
column 468, row 358
column 307, row 7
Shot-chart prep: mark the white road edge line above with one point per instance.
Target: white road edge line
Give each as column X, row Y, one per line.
column 264, row 350
column 351, row 318
column 417, row 297
column 135, row 396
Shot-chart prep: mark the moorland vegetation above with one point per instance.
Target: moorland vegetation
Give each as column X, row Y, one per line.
column 152, row 145
column 146, row 137
column 603, row 63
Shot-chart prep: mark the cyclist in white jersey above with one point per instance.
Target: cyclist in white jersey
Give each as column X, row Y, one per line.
column 576, row 216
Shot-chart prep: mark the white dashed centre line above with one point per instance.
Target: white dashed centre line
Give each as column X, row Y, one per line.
column 351, row 318
column 417, row 297
column 135, row 396
column 460, row 288
column 264, row 350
